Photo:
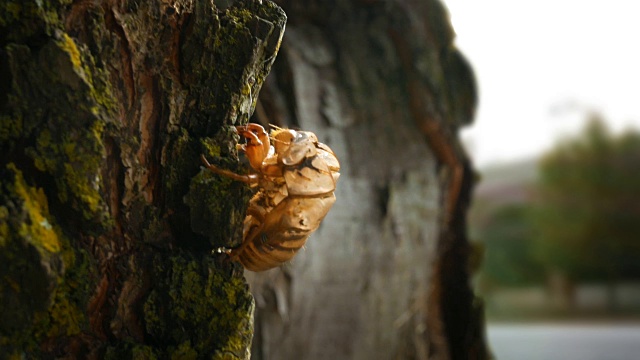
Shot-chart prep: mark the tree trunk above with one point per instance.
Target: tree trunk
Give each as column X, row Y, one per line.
column 385, row 276
column 106, row 218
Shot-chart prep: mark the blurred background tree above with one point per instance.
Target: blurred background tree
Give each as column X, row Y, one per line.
column 509, row 235
column 568, row 219
column 588, row 212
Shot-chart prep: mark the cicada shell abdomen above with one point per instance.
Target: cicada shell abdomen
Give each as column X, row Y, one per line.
column 283, row 232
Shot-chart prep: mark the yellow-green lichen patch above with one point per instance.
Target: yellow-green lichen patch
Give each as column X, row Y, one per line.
column 184, row 351
column 219, row 90
column 67, row 44
column 212, row 148
column 153, row 322
column 182, row 162
column 10, row 128
column 21, row 19
column 45, row 283
column 4, row 225
column 130, row 351
column 37, row 228
column 204, row 310
column 143, row 352
column 11, row 11
column 65, row 111
column 65, row 316
column 31, row 265
column 74, row 157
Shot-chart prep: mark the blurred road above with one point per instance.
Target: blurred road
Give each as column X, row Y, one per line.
column 565, row 341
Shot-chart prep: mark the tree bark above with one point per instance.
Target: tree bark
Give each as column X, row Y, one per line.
column 107, row 220
column 106, row 217
column 386, row 275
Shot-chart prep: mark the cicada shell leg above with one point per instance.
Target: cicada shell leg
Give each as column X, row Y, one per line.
column 235, row 253
column 247, row 179
column 253, row 224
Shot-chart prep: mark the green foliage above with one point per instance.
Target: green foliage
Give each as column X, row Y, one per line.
column 508, row 237
column 588, row 216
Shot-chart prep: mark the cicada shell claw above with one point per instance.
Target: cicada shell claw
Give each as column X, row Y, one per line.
column 247, row 179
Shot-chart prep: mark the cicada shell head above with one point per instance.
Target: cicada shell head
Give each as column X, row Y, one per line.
column 282, row 139
column 294, row 146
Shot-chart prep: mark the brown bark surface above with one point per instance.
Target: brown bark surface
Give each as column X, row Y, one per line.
column 385, row 276
column 106, row 218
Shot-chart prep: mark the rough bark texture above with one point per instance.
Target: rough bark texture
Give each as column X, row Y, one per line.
column 106, row 218
column 385, row 276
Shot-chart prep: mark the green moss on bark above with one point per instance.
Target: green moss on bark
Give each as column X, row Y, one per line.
column 209, row 195
column 201, row 199
column 227, row 94
column 224, row 65
column 198, row 311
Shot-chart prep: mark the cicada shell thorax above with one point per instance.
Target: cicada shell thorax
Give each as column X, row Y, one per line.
column 308, row 166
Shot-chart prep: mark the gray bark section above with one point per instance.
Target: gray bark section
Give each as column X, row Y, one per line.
column 364, row 286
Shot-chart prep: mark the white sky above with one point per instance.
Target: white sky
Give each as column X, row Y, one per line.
column 540, row 64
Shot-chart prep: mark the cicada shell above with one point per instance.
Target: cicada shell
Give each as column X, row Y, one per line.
column 296, row 179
